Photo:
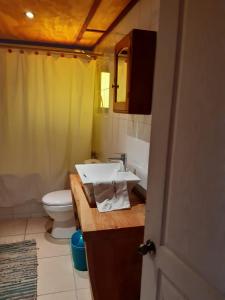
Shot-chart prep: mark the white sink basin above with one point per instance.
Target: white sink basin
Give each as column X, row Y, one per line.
column 92, row 173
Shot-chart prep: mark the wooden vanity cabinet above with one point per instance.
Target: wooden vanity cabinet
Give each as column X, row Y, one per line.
column 112, row 240
column 134, row 72
column 114, row 263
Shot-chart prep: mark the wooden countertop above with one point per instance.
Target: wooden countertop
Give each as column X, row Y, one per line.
column 92, row 220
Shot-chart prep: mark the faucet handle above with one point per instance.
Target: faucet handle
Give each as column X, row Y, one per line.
column 117, row 160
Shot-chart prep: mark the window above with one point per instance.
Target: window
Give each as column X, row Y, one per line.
column 104, row 89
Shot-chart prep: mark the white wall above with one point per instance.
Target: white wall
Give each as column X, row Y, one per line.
column 114, row 132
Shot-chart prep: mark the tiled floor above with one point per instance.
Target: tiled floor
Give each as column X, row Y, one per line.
column 57, row 279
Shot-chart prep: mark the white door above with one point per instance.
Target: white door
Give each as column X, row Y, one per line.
column 186, row 192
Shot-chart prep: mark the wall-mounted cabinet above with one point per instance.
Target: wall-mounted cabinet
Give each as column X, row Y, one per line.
column 134, row 72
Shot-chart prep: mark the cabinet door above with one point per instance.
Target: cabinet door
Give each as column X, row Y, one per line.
column 122, row 74
column 134, row 72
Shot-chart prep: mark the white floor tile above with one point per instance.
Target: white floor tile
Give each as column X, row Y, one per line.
column 48, row 246
column 11, row 239
column 84, row 294
column 55, row 274
column 81, row 279
column 71, row 295
column 12, row 227
column 38, row 225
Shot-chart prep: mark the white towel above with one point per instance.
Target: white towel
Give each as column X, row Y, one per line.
column 122, row 198
column 111, row 195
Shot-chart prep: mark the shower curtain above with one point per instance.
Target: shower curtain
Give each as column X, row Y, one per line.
column 46, row 110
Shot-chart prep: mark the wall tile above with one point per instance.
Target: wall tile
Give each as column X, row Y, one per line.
column 121, row 146
column 115, row 134
column 144, row 132
column 147, row 119
column 132, row 129
column 137, row 158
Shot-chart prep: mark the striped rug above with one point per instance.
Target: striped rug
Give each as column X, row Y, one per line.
column 18, row 270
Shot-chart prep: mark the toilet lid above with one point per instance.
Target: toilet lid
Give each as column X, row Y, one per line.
column 57, row 198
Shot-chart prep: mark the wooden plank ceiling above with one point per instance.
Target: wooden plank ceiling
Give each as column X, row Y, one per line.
column 67, row 23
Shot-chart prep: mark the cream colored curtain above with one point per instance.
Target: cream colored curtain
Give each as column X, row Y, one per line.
column 46, row 110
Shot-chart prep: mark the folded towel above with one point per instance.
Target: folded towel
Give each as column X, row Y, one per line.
column 103, row 191
column 111, row 195
column 122, row 198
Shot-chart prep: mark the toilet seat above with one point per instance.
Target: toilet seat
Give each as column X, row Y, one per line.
column 58, row 208
column 58, row 198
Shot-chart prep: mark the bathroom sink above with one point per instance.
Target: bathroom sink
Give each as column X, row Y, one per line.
column 92, row 173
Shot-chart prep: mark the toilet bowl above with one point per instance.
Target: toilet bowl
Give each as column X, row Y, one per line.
column 58, row 205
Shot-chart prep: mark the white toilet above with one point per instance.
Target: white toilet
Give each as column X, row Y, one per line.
column 58, row 205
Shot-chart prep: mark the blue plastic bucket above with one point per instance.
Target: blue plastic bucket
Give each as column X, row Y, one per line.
column 78, row 251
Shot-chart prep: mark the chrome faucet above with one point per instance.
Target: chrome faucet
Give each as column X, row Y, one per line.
column 122, row 157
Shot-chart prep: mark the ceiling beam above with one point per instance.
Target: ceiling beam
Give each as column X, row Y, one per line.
column 128, row 7
column 95, row 30
column 90, row 15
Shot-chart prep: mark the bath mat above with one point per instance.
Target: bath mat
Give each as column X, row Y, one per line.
column 18, row 270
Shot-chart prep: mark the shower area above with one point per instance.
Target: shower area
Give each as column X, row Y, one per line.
column 46, row 116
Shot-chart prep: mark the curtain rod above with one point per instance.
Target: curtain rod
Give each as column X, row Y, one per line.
column 49, row 50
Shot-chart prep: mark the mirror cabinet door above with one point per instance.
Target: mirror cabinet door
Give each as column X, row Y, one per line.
column 134, row 59
column 121, row 75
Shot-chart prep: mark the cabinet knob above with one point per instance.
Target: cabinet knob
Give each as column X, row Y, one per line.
column 147, row 247
column 115, row 86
